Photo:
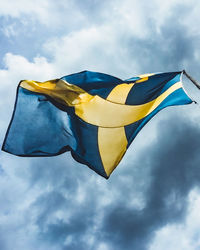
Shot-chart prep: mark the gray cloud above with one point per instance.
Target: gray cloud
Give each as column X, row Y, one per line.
column 168, row 170
column 64, row 205
column 162, row 175
column 170, row 47
column 175, row 170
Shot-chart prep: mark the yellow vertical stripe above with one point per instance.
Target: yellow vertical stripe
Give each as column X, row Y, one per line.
column 120, row 93
column 144, row 77
column 112, row 142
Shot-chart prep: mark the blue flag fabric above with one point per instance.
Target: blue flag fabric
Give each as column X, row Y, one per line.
column 96, row 116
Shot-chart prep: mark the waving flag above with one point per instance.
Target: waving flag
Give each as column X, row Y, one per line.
column 94, row 115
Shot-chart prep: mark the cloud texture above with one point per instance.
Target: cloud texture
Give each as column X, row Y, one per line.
column 151, row 201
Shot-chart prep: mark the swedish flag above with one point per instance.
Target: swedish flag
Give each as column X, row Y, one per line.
column 94, row 115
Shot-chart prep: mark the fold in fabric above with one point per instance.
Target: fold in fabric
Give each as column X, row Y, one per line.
column 96, row 116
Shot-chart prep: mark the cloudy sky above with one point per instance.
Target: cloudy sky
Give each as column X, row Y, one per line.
column 152, row 200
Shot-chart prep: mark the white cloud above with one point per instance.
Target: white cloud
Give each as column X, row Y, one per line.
column 48, row 12
column 99, row 45
column 21, row 7
column 18, row 68
column 184, row 235
column 130, row 15
column 96, row 48
column 103, row 246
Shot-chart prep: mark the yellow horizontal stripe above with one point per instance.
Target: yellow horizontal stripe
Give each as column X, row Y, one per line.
column 60, row 90
column 94, row 109
column 104, row 113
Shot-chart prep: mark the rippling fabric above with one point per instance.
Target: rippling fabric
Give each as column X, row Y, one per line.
column 96, row 116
